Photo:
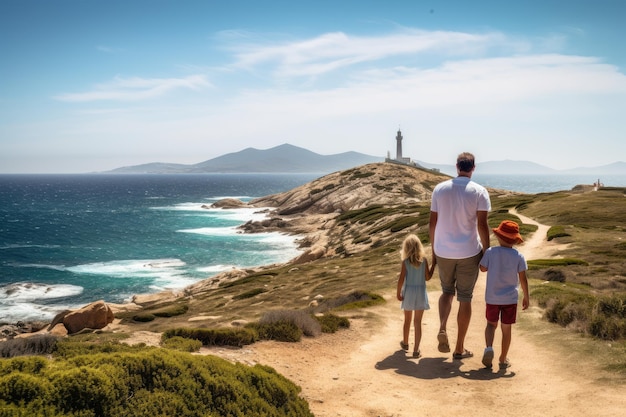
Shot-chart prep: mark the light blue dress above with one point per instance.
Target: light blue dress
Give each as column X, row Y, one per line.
column 414, row 288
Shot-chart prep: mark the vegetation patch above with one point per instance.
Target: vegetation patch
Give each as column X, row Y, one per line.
column 325, row 188
column 301, row 319
column 34, row 345
column 573, row 306
column 546, row 263
column 144, row 317
column 354, row 300
column 173, row 310
column 281, row 331
column 182, row 344
column 331, row 323
column 215, row 337
column 360, row 175
column 557, row 231
column 249, row 294
column 140, row 382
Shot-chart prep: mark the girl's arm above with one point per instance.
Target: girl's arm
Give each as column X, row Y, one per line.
column 401, row 282
column 428, row 270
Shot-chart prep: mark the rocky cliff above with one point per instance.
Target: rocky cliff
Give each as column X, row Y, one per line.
column 349, row 211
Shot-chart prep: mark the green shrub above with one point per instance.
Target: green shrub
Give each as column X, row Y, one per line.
column 144, row 317
column 19, row 387
column 554, row 275
column 331, row 323
column 83, row 388
column 182, row 344
column 612, row 306
column 403, row 223
column 354, row 300
column 303, row 320
column 215, row 337
column 544, row 263
column 607, row 328
column 172, row 310
column 281, row 331
column 556, row 231
column 147, row 382
column 601, row 317
column 29, row 365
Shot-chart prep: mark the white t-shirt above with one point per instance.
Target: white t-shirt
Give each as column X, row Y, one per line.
column 456, row 202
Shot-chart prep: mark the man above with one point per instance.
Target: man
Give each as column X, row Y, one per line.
column 459, row 235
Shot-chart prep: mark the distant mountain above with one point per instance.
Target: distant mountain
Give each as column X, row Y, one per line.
column 616, row 168
column 283, row 158
column 513, row 168
column 509, row 167
column 292, row 159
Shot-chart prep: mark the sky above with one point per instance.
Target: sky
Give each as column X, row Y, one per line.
column 89, row 86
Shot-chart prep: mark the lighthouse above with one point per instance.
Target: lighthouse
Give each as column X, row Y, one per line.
column 399, row 146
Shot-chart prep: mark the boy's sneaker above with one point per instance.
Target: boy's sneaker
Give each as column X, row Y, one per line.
column 488, row 357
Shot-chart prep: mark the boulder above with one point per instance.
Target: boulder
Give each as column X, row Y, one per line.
column 96, row 315
column 229, row 203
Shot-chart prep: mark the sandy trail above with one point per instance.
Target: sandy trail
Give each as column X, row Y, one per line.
column 362, row 371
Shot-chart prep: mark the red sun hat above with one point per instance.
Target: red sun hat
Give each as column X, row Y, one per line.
column 508, row 231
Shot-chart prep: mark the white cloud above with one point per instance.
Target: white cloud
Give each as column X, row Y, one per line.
column 333, row 51
column 136, row 88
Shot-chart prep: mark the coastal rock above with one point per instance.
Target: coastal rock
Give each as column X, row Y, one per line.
column 96, row 315
column 310, row 255
column 228, row 203
column 263, row 226
column 313, row 210
column 145, row 300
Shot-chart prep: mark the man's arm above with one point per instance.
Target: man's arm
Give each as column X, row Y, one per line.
column 431, row 233
column 483, row 229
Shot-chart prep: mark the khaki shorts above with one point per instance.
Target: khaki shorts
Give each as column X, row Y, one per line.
column 458, row 276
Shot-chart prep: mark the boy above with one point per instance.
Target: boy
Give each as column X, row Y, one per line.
column 506, row 271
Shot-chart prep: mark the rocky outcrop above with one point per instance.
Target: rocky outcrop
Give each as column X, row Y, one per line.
column 227, row 203
column 380, row 183
column 96, row 315
column 311, row 210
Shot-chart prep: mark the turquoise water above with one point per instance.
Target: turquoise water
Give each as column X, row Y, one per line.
column 68, row 240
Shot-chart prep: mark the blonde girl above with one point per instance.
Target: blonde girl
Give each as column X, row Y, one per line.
column 411, row 289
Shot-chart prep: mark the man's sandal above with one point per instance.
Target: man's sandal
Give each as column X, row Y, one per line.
column 443, row 346
column 466, row 354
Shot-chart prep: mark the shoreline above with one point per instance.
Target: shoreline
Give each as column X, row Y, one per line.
column 300, row 240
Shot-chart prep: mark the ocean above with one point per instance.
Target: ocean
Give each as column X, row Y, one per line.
column 68, row 240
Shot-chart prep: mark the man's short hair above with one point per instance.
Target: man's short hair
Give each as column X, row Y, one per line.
column 465, row 162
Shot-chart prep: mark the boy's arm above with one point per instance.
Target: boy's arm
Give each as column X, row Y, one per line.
column 524, row 284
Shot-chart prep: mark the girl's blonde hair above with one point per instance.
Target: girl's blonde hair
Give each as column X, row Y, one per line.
column 412, row 250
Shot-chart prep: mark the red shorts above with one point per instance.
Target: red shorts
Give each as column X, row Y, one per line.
column 506, row 313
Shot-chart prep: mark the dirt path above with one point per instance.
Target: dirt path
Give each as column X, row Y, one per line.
column 362, row 371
